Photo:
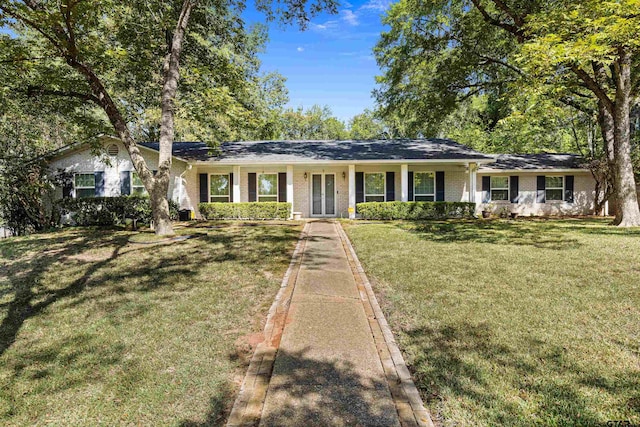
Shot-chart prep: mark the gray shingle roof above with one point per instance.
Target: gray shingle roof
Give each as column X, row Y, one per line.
column 301, row 151
column 535, row 162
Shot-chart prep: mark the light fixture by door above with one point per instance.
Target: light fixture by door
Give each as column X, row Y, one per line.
column 344, row 175
column 305, row 176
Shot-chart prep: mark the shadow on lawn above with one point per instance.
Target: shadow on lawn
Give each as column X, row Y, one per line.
column 310, row 392
column 456, row 362
column 158, row 263
column 539, row 232
column 520, row 233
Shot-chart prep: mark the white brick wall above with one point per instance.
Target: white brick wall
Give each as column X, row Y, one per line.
column 186, row 189
column 84, row 161
column 583, row 193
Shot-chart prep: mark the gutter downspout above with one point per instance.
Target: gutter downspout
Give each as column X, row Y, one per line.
column 189, row 167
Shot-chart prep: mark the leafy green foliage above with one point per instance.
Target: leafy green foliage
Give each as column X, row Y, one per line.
column 111, row 210
column 245, row 210
column 416, row 210
column 367, row 126
column 314, row 123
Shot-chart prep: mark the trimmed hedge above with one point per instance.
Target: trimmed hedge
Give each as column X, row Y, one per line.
column 111, row 210
column 245, row 210
column 416, row 210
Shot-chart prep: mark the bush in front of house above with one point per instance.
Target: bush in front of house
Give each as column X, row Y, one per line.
column 245, row 210
column 111, row 210
column 416, row 210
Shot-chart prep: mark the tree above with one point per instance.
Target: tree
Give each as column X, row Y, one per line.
column 315, row 123
column 441, row 52
column 367, row 126
column 26, row 184
column 124, row 57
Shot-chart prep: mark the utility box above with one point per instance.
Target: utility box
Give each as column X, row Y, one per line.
column 185, row 215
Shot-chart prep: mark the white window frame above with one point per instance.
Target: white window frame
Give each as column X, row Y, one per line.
column 131, row 192
column 364, row 184
column 76, row 188
column 230, row 189
column 546, row 198
column 258, row 195
column 491, row 188
column 416, row 194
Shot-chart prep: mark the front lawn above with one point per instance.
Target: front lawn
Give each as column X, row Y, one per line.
column 513, row 322
column 104, row 327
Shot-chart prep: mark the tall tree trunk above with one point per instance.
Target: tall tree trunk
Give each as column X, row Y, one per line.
column 624, row 179
column 607, row 128
column 171, row 70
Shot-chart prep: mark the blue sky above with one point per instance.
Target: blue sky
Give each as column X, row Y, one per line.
column 331, row 62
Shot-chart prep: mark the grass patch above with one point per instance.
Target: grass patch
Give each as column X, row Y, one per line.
column 98, row 329
column 513, row 322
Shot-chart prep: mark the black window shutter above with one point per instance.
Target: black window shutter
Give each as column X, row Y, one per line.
column 359, row 187
column 541, row 187
column 282, row 187
column 568, row 188
column 253, row 195
column 231, row 187
column 486, row 189
column 125, row 183
column 204, row 188
column 440, row 186
column 391, row 186
column 410, row 176
column 514, row 188
column 67, row 189
column 99, row 188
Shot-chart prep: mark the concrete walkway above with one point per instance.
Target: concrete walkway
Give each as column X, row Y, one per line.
column 336, row 363
column 327, row 370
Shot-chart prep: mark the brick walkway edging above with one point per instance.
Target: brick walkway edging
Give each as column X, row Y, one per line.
column 411, row 409
column 247, row 407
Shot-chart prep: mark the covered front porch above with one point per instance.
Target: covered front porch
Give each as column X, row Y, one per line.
column 332, row 189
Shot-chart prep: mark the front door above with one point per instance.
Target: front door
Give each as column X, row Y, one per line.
column 323, row 194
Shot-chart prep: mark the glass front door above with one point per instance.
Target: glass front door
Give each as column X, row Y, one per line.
column 323, row 194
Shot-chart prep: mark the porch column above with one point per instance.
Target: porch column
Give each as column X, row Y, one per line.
column 236, row 184
column 290, row 188
column 473, row 175
column 352, row 191
column 404, row 183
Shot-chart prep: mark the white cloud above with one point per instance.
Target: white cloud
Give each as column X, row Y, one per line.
column 326, row 26
column 349, row 17
column 346, row 4
column 376, row 5
column 300, row 49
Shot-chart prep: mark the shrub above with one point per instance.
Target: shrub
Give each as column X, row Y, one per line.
column 249, row 210
column 111, row 210
column 416, row 210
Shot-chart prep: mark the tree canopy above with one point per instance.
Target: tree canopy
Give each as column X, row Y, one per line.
column 143, row 66
column 440, row 54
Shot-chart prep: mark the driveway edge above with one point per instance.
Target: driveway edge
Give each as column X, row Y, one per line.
column 411, row 409
column 247, row 407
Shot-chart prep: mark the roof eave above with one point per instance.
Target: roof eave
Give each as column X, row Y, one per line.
column 226, row 162
column 538, row 170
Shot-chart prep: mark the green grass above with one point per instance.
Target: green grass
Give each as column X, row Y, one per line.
column 102, row 327
column 513, row 322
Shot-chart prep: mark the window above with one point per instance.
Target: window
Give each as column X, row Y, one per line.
column 85, row 185
column 268, row 187
column 554, row 187
column 374, row 187
column 219, row 188
column 424, row 187
column 137, row 187
column 499, row 188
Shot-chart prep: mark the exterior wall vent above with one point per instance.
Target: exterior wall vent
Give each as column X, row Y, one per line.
column 113, row 150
